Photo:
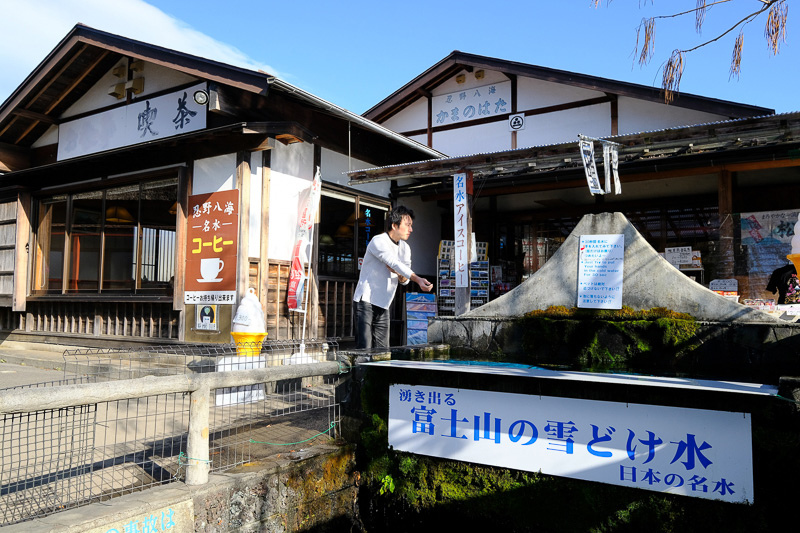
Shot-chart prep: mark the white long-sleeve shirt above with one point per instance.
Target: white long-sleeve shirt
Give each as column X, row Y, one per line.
column 376, row 284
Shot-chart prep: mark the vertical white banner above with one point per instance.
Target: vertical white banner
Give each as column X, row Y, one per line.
column 460, row 219
column 587, row 155
column 607, row 167
column 600, row 271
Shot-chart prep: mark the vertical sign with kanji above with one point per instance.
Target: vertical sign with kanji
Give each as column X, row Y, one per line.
column 462, row 203
column 461, row 226
column 211, row 249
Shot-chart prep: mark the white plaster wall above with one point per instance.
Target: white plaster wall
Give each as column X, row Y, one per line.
column 49, row 137
column 214, row 174
column 638, row 115
column 256, row 186
column 295, row 159
column 424, row 240
column 475, row 139
column 564, row 126
column 533, row 93
column 451, row 85
column 413, row 117
column 335, row 164
column 156, row 78
column 284, row 203
column 291, row 172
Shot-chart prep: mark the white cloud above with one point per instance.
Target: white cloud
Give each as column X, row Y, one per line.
column 32, row 28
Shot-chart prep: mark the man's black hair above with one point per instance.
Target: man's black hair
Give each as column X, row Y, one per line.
column 396, row 215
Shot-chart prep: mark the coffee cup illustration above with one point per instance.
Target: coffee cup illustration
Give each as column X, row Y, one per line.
column 210, row 268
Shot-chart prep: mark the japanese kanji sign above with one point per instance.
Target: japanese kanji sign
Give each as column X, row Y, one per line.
column 462, row 188
column 472, row 104
column 600, row 271
column 692, row 452
column 143, row 120
column 211, row 248
column 587, row 155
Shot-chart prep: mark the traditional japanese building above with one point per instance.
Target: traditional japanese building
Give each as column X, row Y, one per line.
column 717, row 177
column 121, row 160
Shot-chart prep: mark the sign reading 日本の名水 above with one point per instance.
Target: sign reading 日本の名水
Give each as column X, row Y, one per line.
column 691, row 452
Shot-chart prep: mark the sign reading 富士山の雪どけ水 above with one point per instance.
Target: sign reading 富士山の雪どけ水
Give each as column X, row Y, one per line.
column 691, row 452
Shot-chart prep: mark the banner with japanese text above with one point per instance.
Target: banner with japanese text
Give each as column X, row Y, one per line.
column 691, row 452
column 301, row 253
column 212, row 239
column 462, row 188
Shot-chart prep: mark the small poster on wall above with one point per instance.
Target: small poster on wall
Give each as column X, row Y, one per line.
column 600, row 272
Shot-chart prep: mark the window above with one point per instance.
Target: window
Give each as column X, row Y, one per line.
column 119, row 240
column 346, row 225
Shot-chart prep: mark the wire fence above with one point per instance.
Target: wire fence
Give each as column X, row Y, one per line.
column 56, row 459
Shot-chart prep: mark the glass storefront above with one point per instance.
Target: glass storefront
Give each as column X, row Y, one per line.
column 119, row 240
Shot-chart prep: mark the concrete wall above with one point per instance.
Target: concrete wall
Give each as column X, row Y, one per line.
column 296, row 492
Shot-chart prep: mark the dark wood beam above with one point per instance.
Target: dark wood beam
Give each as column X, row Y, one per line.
column 13, row 158
column 25, row 113
column 504, row 117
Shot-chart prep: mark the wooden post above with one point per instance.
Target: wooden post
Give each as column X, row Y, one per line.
column 462, row 221
column 243, row 257
column 197, row 460
column 263, row 264
column 21, row 259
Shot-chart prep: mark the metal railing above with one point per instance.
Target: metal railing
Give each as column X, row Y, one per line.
column 122, row 420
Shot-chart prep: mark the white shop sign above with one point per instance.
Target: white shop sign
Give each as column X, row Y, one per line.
column 472, row 104
column 600, row 271
column 146, row 119
column 691, row 452
column 679, row 255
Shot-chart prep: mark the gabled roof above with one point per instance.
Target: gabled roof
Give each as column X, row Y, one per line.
column 458, row 61
column 738, row 144
column 86, row 54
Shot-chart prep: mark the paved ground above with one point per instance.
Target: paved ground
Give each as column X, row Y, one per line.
column 131, row 441
column 13, row 375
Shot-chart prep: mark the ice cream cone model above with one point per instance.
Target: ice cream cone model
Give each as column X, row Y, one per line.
column 248, row 344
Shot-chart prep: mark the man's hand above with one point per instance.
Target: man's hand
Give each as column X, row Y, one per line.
column 402, row 279
column 423, row 283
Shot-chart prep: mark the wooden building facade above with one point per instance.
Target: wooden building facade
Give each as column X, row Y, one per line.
column 103, row 146
column 720, row 177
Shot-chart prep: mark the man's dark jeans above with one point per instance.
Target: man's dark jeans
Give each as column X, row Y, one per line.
column 372, row 326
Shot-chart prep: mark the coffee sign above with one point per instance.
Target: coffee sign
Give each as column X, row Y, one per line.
column 211, row 249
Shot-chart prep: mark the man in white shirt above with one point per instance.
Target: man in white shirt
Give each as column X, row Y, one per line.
column 386, row 263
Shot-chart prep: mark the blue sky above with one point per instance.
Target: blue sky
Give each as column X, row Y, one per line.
column 355, row 53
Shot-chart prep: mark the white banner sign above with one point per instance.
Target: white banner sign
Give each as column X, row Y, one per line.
column 600, row 271
column 691, row 452
column 146, row 119
column 461, row 253
column 587, row 155
column 472, row 104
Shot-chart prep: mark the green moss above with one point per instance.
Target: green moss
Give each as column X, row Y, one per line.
column 608, row 340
